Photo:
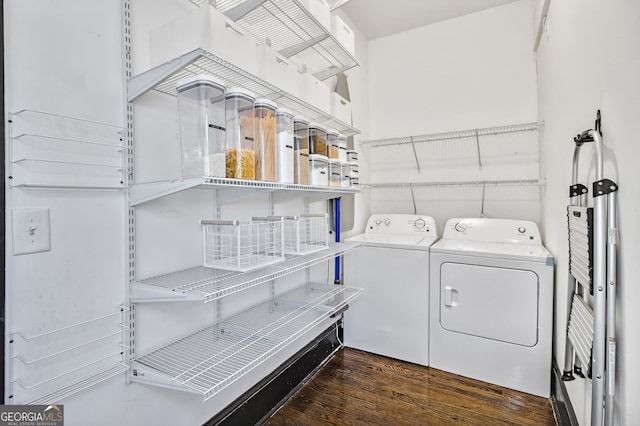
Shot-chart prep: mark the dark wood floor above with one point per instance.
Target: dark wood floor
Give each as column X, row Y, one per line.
column 358, row 388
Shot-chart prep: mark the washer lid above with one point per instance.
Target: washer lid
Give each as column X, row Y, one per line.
column 527, row 252
column 395, row 241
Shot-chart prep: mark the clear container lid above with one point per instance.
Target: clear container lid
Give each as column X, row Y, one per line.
column 284, row 111
column 334, row 162
column 318, row 127
column 213, row 87
column 240, row 92
column 342, row 138
column 332, row 132
column 300, row 119
column 265, row 103
column 318, row 158
column 199, row 81
column 352, row 152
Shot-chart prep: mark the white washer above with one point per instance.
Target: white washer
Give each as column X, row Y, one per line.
column 390, row 318
column 492, row 303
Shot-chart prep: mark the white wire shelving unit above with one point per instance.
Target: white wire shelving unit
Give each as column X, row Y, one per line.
column 207, row 285
column 230, row 190
column 290, row 29
column 48, row 150
column 47, row 366
column 209, row 360
column 475, row 139
column 164, row 77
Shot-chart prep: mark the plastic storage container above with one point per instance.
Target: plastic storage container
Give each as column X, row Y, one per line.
column 265, row 146
column 318, row 170
column 301, row 151
column 201, row 114
column 335, row 172
column 284, row 146
column 240, row 134
column 332, row 144
column 345, row 174
column 352, row 156
column 342, row 147
column 354, row 182
column 317, row 139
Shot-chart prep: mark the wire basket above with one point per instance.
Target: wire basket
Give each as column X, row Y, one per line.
column 235, row 246
column 306, row 233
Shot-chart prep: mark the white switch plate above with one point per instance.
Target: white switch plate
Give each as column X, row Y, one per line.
column 31, row 231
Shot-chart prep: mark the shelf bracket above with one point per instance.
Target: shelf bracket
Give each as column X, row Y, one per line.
column 413, row 198
column 146, row 81
column 478, row 148
column 415, row 154
column 243, row 9
column 297, row 48
column 330, row 72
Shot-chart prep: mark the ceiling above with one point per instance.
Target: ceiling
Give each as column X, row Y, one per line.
column 380, row 18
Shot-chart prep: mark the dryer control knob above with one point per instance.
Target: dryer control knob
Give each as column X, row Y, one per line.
column 387, row 221
column 522, row 229
column 460, row 226
column 419, row 223
column 378, row 221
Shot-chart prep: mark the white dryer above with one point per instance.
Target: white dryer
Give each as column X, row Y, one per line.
column 491, row 309
column 391, row 316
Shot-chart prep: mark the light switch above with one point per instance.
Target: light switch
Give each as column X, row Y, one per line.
column 31, row 232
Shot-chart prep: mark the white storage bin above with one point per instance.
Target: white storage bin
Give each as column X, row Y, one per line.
column 320, row 10
column 236, row 246
column 275, row 69
column 314, row 92
column 306, row 233
column 340, row 108
column 343, row 34
column 204, row 28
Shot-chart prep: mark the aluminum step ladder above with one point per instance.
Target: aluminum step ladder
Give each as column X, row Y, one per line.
column 591, row 338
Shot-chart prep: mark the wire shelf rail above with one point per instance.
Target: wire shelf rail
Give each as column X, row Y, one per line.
column 290, row 29
column 164, row 77
column 49, row 150
column 208, row 285
column 48, row 366
column 211, row 359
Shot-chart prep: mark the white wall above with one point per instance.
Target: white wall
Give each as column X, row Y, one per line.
column 590, row 59
column 65, row 57
column 471, row 72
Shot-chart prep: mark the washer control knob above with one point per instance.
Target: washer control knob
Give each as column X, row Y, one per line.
column 522, row 229
column 387, row 221
column 378, row 221
column 460, row 226
column 419, row 223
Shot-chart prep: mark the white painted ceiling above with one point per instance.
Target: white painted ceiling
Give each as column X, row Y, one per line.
column 380, row 18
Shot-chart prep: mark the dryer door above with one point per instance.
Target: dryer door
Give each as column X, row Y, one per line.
column 489, row 302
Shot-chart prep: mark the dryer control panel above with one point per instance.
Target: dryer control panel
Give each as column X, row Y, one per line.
column 401, row 224
column 506, row 231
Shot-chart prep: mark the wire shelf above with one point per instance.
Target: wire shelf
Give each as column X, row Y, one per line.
column 230, row 190
column 291, row 29
column 460, row 134
column 50, row 365
column 235, row 246
column 163, row 78
column 306, row 233
column 48, row 150
column 207, row 285
column 211, row 359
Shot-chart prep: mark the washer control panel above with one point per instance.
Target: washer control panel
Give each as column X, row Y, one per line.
column 401, row 224
column 492, row 230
